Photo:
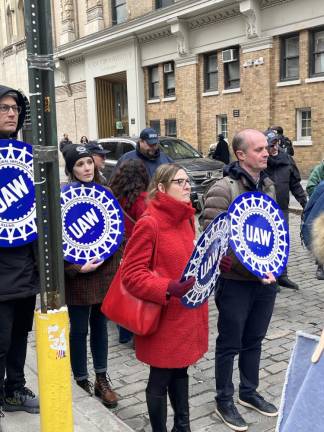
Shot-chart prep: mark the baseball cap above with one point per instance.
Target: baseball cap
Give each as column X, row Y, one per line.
column 271, row 136
column 150, row 136
column 94, row 148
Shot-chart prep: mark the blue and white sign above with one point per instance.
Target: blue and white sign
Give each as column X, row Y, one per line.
column 93, row 225
column 259, row 233
column 17, row 194
column 204, row 262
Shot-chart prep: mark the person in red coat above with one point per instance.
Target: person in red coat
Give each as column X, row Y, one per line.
column 166, row 231
column 129, row 185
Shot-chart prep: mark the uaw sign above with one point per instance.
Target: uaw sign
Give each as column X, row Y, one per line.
column 259, row 234
column 204, row 262
column 17, row 194
column 93, row 225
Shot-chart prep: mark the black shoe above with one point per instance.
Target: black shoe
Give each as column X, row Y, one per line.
column 284, row 281
column 86, row 385
column 320, row 273
column 229, row 414
column 256, row 402
column 22, row 400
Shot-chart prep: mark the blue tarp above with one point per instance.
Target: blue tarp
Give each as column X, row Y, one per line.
column 302, row 404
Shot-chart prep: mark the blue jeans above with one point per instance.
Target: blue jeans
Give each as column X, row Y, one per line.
column 80, row 317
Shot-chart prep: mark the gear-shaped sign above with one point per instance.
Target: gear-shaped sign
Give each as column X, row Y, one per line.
column 259, row 233
column 93, row 225
column 204, row 262
column 17, row 194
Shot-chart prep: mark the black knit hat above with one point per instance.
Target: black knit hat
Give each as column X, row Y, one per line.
column 72, row 153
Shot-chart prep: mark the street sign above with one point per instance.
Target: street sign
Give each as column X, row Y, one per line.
column 17, row 194
column 93, row 225
column 259, row 233
column 204, row 262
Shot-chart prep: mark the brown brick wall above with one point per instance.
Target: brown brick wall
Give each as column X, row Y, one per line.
column 260, row 102
column 138, row 8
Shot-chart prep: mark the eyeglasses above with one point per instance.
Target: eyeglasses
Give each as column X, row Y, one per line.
column 182, row 182
column 4, row 108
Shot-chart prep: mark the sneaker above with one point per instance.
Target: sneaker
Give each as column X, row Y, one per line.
column 22, row 400
column 229, row 414
column 86, row 385
column 285, row 282
column 320, row 272
column 104, row 391
column 256, row 402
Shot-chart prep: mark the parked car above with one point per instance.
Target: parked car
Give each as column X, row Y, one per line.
column 197, row 166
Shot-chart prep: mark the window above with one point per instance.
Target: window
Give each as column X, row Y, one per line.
column 154, row 84
column 171, row 127
column 317, row 53
column 289, row 65
column 210, row 72
column 119, row 11
column 169, row 79
column 221, row 124
column 304, row 124
column 156, row 125
column 232, row 69
column 163, row 3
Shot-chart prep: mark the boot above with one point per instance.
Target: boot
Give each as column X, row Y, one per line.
column 157, row 409
column 86, row 385
column 22, row 400
column 179, row 398
column 104, row 391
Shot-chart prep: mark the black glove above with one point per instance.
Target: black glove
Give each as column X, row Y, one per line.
column 179, row 289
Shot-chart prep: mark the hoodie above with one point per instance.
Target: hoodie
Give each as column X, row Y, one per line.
column 18, row 270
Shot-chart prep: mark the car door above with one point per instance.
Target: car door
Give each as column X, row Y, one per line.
column 115, row 151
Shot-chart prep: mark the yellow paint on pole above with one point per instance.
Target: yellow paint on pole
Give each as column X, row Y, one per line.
column 54, row 371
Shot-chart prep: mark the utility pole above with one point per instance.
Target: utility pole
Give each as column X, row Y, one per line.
column 52, row 329
column 40, row 61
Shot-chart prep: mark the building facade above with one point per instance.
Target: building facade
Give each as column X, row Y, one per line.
column 189, row 68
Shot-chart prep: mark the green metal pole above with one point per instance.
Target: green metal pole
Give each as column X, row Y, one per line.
column 38, row 26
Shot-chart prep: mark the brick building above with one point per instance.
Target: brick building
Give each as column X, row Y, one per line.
column 191, row 68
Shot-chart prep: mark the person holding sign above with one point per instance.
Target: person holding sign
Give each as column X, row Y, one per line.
column 19, row 286
column 85, row 289
column 166, row 231
column 245, row 302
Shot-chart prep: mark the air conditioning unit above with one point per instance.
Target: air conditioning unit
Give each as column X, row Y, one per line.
column 168, row 67
column 229, row 55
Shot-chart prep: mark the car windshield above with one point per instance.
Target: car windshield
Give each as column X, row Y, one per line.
column 178, row 149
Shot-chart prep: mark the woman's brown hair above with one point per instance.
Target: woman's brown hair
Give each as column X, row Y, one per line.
column 164, row 174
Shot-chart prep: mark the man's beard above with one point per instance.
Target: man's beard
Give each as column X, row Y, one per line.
column 151, row 154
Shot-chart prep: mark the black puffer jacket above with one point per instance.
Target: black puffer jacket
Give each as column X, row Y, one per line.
column 283, row 171
column 18, row 269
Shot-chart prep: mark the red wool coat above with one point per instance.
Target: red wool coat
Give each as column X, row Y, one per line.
column 182, row 335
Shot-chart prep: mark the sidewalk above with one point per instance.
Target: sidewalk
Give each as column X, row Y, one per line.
column 89, row 414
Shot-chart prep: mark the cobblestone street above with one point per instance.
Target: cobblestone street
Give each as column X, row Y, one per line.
column 294, row 311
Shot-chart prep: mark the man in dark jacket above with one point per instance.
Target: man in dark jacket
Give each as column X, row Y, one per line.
column 18, row 288
column 284, row 142
column 148, row 151
column 244, row 302
column 283, row 171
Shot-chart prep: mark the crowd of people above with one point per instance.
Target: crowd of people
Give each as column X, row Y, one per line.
column 154, row 194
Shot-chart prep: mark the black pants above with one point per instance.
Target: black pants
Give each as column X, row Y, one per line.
column 245, row 310
column 160, row 379
column 16, row 320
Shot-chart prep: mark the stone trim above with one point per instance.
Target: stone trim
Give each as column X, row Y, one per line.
column 210, row 93
column 234, row 90
column 314, row 79
column 257, row 44
column 212, row 17
column 271, row 3
column 169, row 99
column 152, row 36
column 301, row 143
column 154, row 101
column 289, row 83
column 186, row 61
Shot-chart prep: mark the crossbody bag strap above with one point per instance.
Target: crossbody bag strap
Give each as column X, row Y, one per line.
column 154, row 260
column 128, row 216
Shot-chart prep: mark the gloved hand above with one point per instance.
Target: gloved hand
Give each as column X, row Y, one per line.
column 179, row 289
column 225, row 264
